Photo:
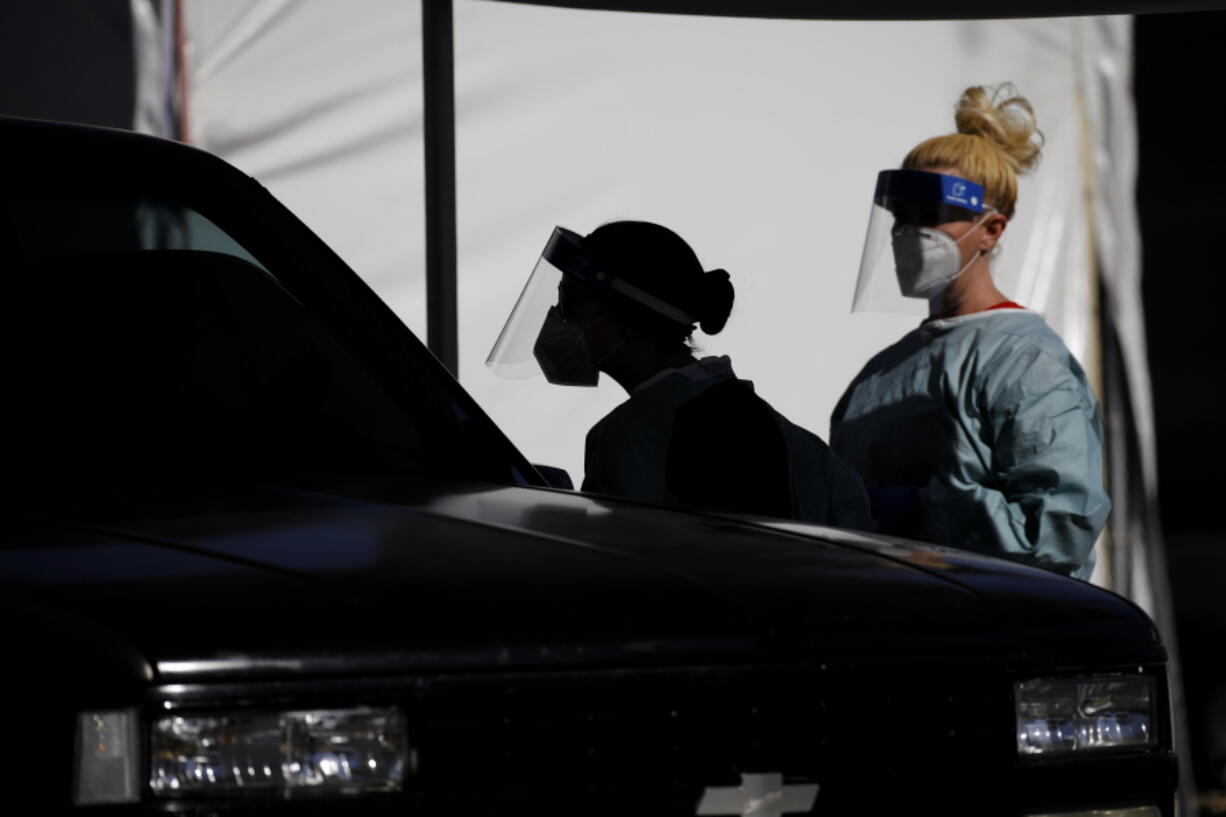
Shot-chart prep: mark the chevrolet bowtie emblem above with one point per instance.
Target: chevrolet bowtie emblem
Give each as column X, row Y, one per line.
column 759, row 795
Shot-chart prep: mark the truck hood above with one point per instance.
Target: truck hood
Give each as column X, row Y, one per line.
column 398, row 575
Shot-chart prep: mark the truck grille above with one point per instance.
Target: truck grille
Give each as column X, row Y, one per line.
column 666, row 737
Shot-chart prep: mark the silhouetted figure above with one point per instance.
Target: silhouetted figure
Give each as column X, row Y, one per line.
column 628, row 298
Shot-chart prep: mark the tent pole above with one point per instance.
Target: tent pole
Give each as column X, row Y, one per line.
column 438, row 78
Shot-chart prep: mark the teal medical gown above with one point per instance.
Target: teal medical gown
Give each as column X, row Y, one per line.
column 670, row 443
column 988, row 422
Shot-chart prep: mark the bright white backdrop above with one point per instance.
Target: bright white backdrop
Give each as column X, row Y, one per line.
column 758, row 141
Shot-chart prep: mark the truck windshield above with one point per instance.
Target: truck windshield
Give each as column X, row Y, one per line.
column 141, row 339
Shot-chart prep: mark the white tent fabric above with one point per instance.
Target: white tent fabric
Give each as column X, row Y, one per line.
column 153, row 40
column 321, row 102
column 757, row 140
column 1138, row 552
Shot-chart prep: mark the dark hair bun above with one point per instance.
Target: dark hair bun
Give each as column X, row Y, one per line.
column 659, row 262
column 715, row 306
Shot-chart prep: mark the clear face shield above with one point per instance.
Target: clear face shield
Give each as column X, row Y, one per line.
column 907, row 260
column 542, row 334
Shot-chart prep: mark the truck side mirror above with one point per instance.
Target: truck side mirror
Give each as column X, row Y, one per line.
column 555, row 477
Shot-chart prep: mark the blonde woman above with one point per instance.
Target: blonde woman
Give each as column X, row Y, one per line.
column 977, row 429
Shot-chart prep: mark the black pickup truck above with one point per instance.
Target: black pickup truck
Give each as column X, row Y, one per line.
column 260, row 553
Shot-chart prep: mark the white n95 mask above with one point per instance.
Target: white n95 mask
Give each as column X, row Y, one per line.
column 927, row 259
column 563, row 354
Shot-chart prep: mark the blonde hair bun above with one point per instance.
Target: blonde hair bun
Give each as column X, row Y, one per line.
column 1005, row 118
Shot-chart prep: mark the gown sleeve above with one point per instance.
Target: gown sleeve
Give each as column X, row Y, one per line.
column 1041, row 498
column 849, row 505
column 623, row 455
column 599, row 474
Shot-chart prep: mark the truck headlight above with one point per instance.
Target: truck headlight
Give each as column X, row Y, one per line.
column 1061, row 715
column 108, row 758
column 279, row 753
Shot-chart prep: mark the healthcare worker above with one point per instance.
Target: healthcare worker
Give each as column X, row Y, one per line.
column 977, row 429
column 625, row 300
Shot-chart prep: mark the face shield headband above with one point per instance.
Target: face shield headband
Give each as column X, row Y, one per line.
column 934, row 191
column 564, row 259
column 907, row 201
column 565, row 252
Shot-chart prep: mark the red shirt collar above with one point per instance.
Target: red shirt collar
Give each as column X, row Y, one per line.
column 1001, row 305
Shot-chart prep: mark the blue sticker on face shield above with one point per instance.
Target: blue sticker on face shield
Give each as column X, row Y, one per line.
column 961, row 193
column 925, row 186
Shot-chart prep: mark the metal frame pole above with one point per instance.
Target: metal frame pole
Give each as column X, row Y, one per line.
column 438, row 78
